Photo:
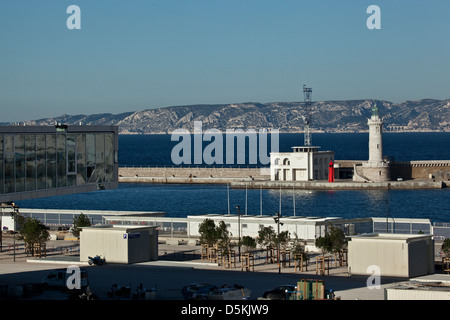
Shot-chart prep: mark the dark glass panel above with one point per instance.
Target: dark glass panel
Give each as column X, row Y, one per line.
column 40, row 162
column 9, row 163
column 100, row 156
column 109, row 157
column 30, row 155
column 51, row 161
column 61, row 165
column 19, row 152
column 81, row 159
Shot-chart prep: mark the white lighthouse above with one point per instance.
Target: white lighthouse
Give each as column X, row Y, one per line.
column 376, row 169
column 375, row 139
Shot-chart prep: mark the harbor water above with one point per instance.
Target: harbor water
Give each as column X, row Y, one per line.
column 181, row 200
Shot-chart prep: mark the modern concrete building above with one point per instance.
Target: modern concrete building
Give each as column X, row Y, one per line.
column 302, row 164
column 376, row 169
column 395, row 255
column 43, row 161
column 119, row 243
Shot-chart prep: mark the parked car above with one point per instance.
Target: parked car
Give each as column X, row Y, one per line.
column 206, row 291
column 58, row 279
column 193, row 290
column 278, row 293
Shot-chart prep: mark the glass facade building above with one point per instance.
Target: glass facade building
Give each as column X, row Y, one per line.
column 43, row 161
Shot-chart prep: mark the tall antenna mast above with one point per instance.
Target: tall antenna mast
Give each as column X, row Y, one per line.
column 307, row 95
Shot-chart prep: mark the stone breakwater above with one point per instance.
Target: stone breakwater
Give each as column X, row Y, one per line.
column 258, row 178
column 339, row 185
column 191, row 174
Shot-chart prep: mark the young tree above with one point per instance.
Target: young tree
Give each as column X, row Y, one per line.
column 267, row 237
column 283, row 239
column 324, row 244
column 248, row 243
column 32, row 231
column 298, row 247
column 208, row 232
column 446, row 247
column 224, row 238
column 80, row 221
column 338, row 240
column 334, row 241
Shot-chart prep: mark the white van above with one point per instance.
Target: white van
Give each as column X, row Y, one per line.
column 58, row 278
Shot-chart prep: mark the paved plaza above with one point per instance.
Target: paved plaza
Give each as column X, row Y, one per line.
column 178, row 266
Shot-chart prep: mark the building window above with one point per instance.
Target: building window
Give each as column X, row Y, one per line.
column 9, row 163
column 51, row 160
column 61, row 160
column 19, row 152
column 30, row 158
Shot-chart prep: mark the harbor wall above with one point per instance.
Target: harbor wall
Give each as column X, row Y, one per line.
column 191, row 174
column 438, row 169
column 418, row 174
column 342, row 185
column 407, row 170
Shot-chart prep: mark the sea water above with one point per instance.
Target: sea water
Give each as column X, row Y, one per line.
column 181, row 200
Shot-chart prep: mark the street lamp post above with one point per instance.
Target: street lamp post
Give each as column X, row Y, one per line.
column 277, row 221
column 387, row 215
column 13, row 216
column 239, row 231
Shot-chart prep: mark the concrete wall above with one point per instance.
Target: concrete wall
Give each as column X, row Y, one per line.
column 396, row 255
column 418, row 266
column 439, row 169
column 408, row 294
column 106, row 243
column 202, row 172
column 119, row 244
column 389, row 256
column 418, row 290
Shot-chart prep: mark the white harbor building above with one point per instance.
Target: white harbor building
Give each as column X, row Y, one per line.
column 302, row 164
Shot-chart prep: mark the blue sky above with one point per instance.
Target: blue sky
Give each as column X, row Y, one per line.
column 139, row 54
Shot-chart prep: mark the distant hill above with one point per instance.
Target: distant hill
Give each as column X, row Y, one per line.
column 327, row 116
